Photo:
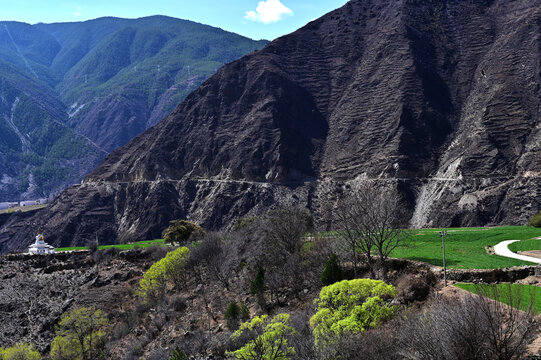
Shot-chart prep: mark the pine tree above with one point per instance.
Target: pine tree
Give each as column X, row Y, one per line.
column 332, row 272
column 257, row 284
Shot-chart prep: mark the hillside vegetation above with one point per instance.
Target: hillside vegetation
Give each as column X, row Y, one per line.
column 72, row 92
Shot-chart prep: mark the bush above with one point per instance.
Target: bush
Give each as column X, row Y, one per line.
column 332, row 272
column 535, row 221
column 473, row 327
column 20, row 351
column 121, row 329
column 411, row 288
column 351, row 306
column 178, row 303
column 170, row 268
column 268, row 339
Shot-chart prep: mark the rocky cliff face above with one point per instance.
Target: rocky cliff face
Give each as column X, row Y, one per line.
column 437, row 101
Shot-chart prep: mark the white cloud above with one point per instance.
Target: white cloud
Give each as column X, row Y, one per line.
column 77, row 12
column 268, row 11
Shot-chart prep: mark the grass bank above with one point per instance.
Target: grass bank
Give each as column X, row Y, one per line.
column 519, row 295
column 525, row 245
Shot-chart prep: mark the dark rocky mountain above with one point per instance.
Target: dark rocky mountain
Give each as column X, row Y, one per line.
column 73, row 92
column 437, row 101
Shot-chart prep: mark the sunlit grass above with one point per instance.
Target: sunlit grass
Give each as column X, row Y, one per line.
column 521, row 296
column 465, row 248
column 138, row 244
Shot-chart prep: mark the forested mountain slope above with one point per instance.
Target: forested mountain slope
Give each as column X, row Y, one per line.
column 101, row 83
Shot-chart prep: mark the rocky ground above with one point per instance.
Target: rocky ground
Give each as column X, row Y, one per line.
column 36, row 290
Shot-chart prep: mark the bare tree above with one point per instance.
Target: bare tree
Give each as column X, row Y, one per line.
column 370, row 222
column 285, row 228
column 474, row 327
column 210, row 258
column 351, row 234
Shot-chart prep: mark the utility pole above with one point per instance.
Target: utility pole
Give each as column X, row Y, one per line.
column 443, row 234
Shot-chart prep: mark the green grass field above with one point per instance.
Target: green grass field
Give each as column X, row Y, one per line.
column 465, row 247
column 527, row 294
column 525, row 245
column 139, row 244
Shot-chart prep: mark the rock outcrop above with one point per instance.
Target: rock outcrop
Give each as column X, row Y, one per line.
column 437, row 101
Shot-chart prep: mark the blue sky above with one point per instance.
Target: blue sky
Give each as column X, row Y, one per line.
column 257, row 19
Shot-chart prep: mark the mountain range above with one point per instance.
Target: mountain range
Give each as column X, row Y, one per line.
column 73, row 92
column 436, row 102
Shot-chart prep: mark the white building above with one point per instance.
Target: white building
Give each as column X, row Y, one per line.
column 40, row 246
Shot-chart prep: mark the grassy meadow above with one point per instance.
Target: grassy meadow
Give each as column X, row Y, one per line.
column 466, row 248
column 130, row 246
column 522, row 296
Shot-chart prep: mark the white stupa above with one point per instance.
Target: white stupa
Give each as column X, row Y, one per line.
column 40, row 246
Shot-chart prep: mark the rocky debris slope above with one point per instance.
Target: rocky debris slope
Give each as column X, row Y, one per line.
column 36, row 290
column 435, row 101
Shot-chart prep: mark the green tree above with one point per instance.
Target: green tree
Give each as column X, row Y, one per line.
column 234, row 313
column 269, row 338
column 80, row 335
column 351, row 306
column 179, row 231
column 332, row 272
column 178, row 354
column 170, row 268
column 259, row 282
column 20, row 351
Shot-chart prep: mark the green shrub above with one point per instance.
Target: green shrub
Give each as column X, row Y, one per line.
column 234, row 313
column 535, row 220
column 178, row 355
column 351, row 306
column 268, row 338
column 169, row 269
column 20, row 351
column 258, row 283
column 332, row 272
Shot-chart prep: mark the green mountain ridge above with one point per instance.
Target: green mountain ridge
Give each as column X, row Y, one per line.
column 72, row 92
